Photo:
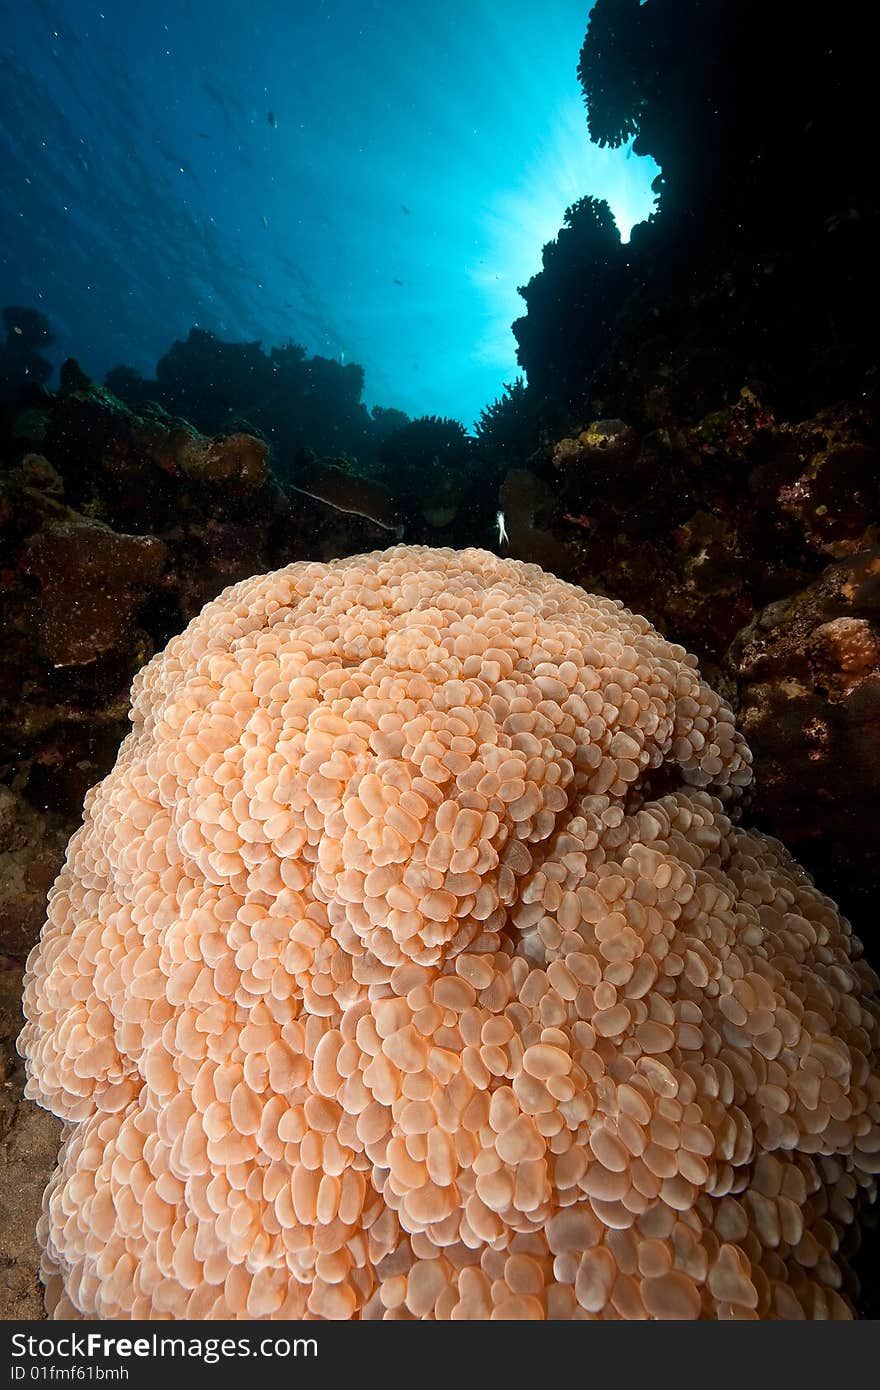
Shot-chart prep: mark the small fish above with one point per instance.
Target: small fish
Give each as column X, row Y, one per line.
column 272, row 121
column 264, row 219
column 397, row 282
column 502, row 529
column 203, row 135
column 404, row 208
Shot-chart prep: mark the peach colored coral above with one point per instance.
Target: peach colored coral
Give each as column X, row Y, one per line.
column 408, row 964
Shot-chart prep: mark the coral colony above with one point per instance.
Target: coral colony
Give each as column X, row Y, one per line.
column 410, row 963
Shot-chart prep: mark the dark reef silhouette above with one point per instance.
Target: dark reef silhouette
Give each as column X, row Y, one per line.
column 760, row 260
column 292, row 399
column 572, row 302
column 312, row 406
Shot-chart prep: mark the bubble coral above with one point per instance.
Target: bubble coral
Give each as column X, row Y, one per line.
column 408, row 964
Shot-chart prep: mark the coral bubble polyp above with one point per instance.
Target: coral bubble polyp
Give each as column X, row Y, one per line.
column 410, row 963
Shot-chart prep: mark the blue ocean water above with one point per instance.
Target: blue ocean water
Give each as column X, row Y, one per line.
column 372, row 179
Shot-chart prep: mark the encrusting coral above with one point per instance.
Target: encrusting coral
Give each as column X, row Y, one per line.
column 409, row 964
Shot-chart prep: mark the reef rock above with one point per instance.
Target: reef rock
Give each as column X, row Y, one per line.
column 807, row 670
column 92, row 582
column 31, row 854
column 28, row 1145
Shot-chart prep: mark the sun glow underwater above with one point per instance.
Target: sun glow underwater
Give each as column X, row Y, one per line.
column 378, row 202
column 524, row 218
